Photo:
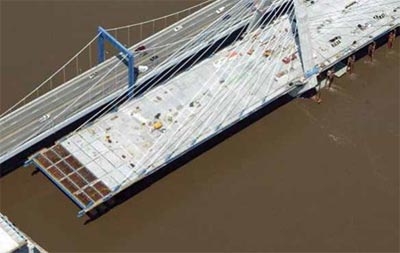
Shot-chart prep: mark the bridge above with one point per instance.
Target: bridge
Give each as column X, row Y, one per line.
column 252, row 53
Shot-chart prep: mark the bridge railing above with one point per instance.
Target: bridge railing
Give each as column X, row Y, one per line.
column 86, row 58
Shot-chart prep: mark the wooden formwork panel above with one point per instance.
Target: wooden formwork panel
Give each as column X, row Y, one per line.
column 53, row 157
column 102, row 188
column 86, row 174
column 73, row 162
column 43, row 161
column 56, row 173
column 76, row 180
column 69, row 185
column 61, row 151
column 83, row 198
column 64, row 167
column 92, row 193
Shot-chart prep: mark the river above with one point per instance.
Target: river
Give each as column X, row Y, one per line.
column 306, row 177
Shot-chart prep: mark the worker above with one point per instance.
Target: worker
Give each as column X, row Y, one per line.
column 330, row 77
column 350, row 64
column 371, row 51
column 392, row 37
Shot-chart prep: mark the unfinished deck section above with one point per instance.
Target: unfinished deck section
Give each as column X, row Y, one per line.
column 150, row 131
column 142, row 136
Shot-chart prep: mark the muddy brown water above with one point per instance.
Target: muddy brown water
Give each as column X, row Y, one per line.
column 306, row 177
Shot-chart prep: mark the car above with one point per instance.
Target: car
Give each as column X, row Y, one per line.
column 140, row 48
column 93, row 75
column 226, row 17
column 44, row 118
column 179, row 27
column 220, row 10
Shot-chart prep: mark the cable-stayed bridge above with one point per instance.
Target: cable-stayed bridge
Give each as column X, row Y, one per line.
column 206, row 73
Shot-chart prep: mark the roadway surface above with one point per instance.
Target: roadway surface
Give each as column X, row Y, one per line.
column 63, row 105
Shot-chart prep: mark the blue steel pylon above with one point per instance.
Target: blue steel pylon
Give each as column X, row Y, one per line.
column 104, row 35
